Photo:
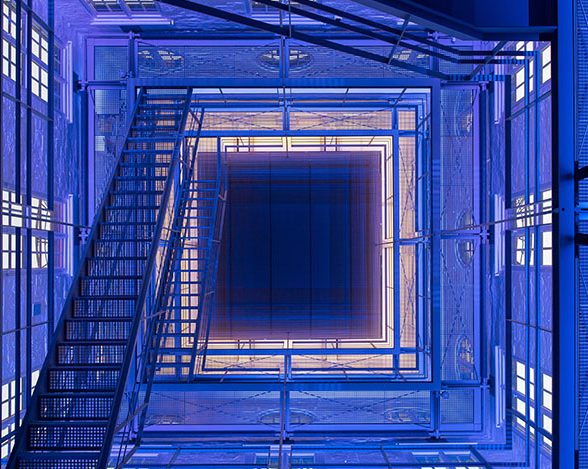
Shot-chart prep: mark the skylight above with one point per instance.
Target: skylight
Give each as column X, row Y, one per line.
column 126, row 12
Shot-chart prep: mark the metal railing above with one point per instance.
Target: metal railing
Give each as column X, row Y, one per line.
column 138, row 384
column 149, row 284
column 208, row 291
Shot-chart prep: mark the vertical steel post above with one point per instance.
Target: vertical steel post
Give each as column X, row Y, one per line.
column 508, row 257
column 50, row 169
column 564, row 292
column 28, row 203
column 396, row 241
column 18, row 193
column 538, row 252
column 528, row 245
column 436, row 247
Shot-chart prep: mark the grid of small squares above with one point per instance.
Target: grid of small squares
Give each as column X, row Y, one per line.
column 46, row 437
column 80, row 354
column 75, row 407
column 123, row 286
column 103, row 308
column 98, row 330
column 61, row 463
column 70, row 380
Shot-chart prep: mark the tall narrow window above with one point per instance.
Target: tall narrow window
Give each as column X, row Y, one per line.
column 521, row 398
column 39, row 82
column 8, row 59
column 546, row 248
column 546, row 64
column 39, row 63
column 40, row 45
column 547, row 408
column 522, row 78
column 9, row 19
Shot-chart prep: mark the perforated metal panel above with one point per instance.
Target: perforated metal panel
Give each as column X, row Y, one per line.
column 111, row 62
column 458, row 256
column 263, row 61
column 205, row 61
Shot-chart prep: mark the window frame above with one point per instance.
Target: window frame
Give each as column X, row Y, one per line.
column 545, row 65
column 520, row 74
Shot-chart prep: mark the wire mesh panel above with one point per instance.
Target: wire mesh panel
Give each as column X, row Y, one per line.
column 110, row 62
column 459, row 255
column 110, row 117
column 204, row 61
column 397, row 410
column 324, row 62
column 226, row 409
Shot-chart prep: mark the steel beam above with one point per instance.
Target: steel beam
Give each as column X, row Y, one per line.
column 288, row 31
column 242, row 83
column 435, row 207
column 320, row 383
column 486, row 57
column 565, row 332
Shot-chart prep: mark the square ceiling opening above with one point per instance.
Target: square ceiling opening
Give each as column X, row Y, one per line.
column 300, row 255
column 323, row 260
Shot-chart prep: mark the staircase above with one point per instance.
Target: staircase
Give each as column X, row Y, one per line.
column 184, row 334
column 188, row 275
column 71, row 418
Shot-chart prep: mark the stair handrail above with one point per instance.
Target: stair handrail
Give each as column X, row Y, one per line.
column 158, row 318
column 207, row 295
column 151, row 318
column 146, row 283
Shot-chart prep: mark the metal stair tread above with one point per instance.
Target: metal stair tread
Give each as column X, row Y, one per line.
column 115, row 258
column 77, row 394
column 127, row 223
column 130, row 207
column 129, row 192
column 66, row 424
column 119, row 240
column 108, row 319
column 87, row 366
column 151, row 150
column 42, row 455
column 93, row 342
column 97, row 297
column 140, row 178
column 161, row 138
column 112, row 277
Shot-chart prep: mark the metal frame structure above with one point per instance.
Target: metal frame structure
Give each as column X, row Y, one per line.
column 284, row 383
column 311, row 85
column 488, row 71
column 263, row 83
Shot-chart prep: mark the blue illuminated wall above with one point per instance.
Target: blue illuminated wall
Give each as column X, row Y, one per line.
column 42, row 191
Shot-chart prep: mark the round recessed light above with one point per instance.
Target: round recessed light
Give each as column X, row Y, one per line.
column 298, row 60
